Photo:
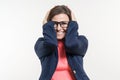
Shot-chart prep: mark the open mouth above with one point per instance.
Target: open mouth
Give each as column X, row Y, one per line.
column 60, row 33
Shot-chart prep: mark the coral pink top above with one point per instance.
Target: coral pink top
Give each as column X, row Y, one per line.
column 63, row 70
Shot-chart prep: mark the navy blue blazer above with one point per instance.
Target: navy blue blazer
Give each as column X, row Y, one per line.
column 75, row 45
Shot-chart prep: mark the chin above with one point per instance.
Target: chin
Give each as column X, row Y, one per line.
column 60, row 38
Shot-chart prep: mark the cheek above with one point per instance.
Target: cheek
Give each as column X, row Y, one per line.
column 65, row 29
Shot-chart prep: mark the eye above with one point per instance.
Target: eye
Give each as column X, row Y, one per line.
column 64, row 23
column 56, row 23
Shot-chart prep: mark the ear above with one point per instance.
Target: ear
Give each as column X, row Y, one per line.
column 45, row 18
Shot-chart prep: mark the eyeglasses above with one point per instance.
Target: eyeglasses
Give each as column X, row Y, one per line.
column 62, row 24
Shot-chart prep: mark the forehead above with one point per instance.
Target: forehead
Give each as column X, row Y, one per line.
column 60, row 17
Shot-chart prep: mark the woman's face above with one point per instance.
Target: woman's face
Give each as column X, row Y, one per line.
column 61, row 24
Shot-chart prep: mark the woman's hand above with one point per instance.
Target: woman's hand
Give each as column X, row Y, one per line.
column 73, row 16
column 45, row 18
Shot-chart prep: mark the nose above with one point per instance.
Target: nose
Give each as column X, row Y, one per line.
column 59, row 27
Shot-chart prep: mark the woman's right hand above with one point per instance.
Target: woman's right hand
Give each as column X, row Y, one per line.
column 45, row 18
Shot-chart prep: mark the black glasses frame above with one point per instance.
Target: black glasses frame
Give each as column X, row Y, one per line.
column 62, row 24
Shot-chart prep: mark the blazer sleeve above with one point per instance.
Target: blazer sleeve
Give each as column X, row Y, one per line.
column 75, row 44
column 46, row 45
column 40, row 49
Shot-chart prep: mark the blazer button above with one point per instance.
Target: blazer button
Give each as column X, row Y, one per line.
column 74, row 71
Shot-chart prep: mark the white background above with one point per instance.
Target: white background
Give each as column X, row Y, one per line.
column 21, row 26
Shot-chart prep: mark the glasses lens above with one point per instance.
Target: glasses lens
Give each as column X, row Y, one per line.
column 63, row 24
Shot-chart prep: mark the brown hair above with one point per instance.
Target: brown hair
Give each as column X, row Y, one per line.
column 58, row 10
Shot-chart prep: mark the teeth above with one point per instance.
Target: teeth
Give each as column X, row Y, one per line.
column 60, row 32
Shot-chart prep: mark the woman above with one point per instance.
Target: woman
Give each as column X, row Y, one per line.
column 61, row 50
